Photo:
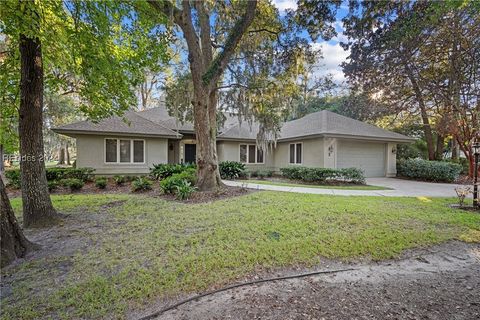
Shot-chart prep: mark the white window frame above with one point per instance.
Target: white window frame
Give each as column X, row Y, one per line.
column 295, row 153
column 256, row 154
column 118, row 151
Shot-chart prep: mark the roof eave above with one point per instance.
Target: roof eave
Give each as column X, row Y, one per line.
column 74, row 133
column 356, row 137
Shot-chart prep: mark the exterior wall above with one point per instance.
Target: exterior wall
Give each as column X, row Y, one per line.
column 312, row 153
column 230, row 151
column 391, row 160
column 91, row 153
column 330, row 147
column 173, row 151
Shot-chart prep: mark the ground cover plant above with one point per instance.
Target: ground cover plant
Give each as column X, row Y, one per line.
column 120, row 252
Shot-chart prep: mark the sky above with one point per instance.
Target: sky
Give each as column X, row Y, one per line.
column 333, row 53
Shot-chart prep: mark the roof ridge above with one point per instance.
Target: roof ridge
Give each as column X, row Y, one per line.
column 155, row 123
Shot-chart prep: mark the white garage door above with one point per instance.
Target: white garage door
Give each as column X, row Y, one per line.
column 368, row 156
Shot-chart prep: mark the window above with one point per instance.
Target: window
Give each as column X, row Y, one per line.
column 138, row 151
column 243, row 153
column 249, row 153
column 111, row 150
column 124, row 151
column 295, row 156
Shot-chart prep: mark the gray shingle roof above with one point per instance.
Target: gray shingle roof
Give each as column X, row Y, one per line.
column 157, row 122
column 135, row 125
column 332, row 124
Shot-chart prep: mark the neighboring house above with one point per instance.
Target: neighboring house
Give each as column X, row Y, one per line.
column 320, row 139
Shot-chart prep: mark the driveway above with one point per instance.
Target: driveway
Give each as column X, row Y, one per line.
column 400, row 188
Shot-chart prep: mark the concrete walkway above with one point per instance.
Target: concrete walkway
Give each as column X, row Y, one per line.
column 401, row 188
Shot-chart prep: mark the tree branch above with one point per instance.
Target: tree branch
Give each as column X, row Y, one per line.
column 215, row 70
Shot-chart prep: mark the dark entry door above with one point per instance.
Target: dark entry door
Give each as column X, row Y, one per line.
column 190, row 153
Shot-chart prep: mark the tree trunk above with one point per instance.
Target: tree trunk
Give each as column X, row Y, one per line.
column 61, row 155
column 440, row 147
column 427, row 129
column 454, row 149
column 2, row 165
column 38, row 210
column 67, row 155
column 13, row 243
column 207, row 162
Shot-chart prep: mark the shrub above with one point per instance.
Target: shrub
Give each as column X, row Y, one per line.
column 101, row 182
column 13, row 177
column 73, row 183
column 165, row 170
column 184, row 190
column 170, row 184
column 436, row 171
column 141, row 184
column 57, row 174
column 322, row 175
column 119, row 180
column 52, row 185
column 231, row 169
column 254, row 173
column 262, row 174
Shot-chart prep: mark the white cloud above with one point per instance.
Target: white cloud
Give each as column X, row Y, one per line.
column 283, row 5
column 333, row 56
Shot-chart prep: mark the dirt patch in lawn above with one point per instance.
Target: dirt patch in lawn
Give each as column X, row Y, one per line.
column 441, row 282
column 209, row 196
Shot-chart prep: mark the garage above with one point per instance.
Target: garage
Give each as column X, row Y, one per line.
column 368, row 156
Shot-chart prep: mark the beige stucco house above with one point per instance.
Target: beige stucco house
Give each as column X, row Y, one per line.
column 131, row 145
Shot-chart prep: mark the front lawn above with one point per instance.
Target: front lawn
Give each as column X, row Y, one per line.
column 117, row 253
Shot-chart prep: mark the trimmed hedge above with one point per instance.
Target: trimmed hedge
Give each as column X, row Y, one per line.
column 436, row 171
column 231, row 169
column 322, row 175
column 53, row 174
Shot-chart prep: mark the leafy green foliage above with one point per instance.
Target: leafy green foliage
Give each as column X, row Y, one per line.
column 101, row 182
column 437, row 171
column 184, row 190
column 165, row 170
column 119, row 180
column 56, row 174
column 73, row 183
column 231, row 169
column 141, row 184
column 13, row 177
column 170, row 184
column 97, row 51
column 322, row 175
column 52, row 185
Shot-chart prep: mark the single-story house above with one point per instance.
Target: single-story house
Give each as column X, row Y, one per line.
column 320, row 139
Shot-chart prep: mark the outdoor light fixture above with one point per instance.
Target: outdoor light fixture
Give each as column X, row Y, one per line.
column 476, row 153
column 394, row 150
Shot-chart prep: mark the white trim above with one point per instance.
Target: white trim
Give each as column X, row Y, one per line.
column 295, row 153
column 248, row 154
column 118, row 151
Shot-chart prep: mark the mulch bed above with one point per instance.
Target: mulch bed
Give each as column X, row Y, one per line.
column 113, row 188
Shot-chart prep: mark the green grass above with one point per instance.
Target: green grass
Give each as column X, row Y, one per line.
column 291, row 184
column 149, row 248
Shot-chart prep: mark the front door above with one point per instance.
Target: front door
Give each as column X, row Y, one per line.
column 190, row 153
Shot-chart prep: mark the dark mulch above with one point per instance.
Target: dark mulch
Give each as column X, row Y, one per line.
column 113, row 188
column 209, row 196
